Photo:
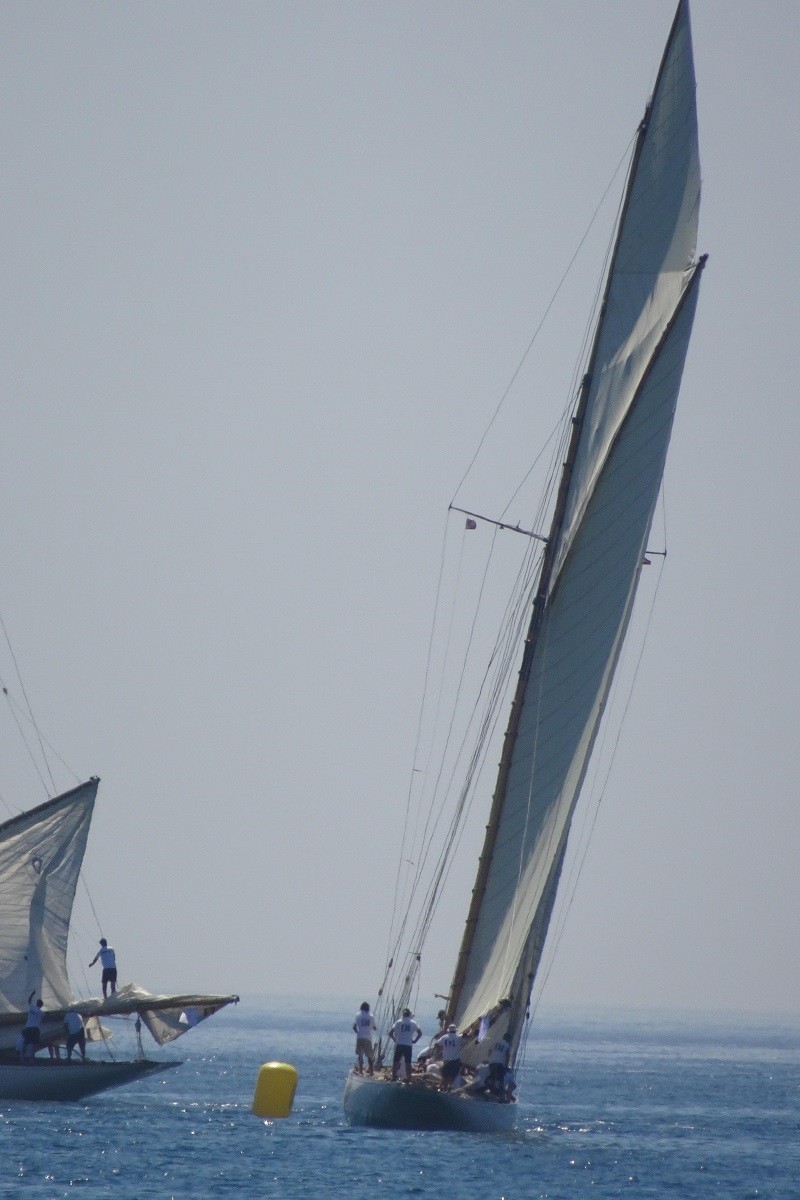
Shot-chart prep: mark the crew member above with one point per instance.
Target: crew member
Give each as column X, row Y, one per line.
column 405, row 1033
column 363, row 1028
column 451, row 1056
column 31, row 1030
column 109, row 960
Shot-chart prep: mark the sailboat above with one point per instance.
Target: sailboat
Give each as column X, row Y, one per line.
column 580, row 599
column 41, row 852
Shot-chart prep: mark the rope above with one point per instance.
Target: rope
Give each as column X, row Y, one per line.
column 544, row 317
column 27, row 701
column 402, row 968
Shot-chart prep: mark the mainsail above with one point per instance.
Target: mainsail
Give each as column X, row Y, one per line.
column 41, row 852
column 594, row 555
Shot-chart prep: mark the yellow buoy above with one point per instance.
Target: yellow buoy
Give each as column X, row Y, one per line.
column 275, row 1089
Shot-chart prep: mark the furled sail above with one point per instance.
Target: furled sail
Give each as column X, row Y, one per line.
column 166, row 1017
column 595, row 549
column 41, row 852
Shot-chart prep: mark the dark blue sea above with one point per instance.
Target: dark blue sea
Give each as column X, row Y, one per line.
column 622, row 1105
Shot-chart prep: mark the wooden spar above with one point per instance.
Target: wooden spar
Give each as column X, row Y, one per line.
column 540, row 537
column 40, row 809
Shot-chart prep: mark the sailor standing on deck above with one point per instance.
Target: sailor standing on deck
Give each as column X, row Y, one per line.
column 405, row 1033
column 109, row 960
column 76, row 1034
column 451, row 1056
column 31, row 1030
column 498, row 1061
column 363, row 1028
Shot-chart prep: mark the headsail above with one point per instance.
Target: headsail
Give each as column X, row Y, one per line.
column 593, row 560
column 41, row 852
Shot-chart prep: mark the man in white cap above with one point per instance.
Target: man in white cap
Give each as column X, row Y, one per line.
column 450, row 1044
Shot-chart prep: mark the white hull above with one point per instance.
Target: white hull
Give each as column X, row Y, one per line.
column 62, row 1080
column 379, row 1102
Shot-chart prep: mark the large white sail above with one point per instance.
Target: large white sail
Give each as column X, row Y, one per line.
column 572, row 666
column 652, row 259
column 593, row 560
column 41, row 852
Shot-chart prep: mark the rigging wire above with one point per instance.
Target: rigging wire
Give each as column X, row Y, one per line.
column 28, row 703
column 416, row 751
column 502, row 659
column 425, row 845
column 25, row 741
column 403, row 970
column 18, row 713
column 426, row 832
column 544, row 317
column 406, row 968
column 507, row 645
column 580, row 368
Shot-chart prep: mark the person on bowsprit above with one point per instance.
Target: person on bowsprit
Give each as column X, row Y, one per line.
column 363, row 1027
column 109, row 960
column 405, row 1033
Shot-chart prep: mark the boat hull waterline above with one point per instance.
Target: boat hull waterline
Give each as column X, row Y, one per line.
column 75, row 1080
column 387, row 1105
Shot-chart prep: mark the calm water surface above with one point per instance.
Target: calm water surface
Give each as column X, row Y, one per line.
column 624, row 1106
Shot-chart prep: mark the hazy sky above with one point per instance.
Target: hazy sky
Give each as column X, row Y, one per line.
column 268, row 269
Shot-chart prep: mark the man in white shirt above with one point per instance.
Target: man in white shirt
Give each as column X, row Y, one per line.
column 76, row 1035
column 363, row 1028
column 405, row 1033
column 450, row 1044
column 498, row 1061
column 31, row 1031
column 109, row 960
